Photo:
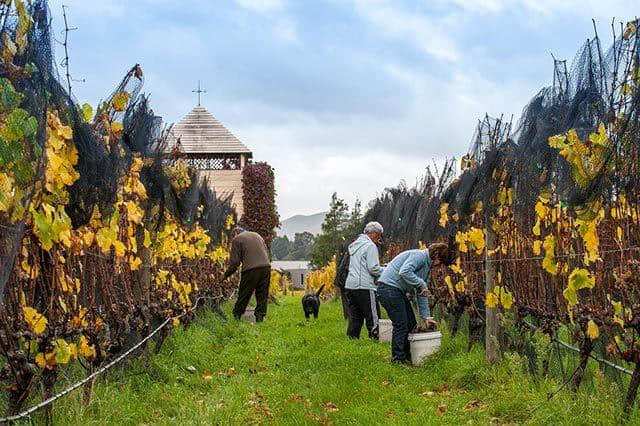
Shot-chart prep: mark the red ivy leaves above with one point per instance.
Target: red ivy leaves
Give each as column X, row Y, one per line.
column 259, row 199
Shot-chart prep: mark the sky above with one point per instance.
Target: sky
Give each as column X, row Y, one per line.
column 350, row 96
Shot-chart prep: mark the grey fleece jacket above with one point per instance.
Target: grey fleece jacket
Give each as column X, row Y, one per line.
column 364, row 264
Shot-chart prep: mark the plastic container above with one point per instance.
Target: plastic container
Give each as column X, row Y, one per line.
column 249, row 315
column 423, row 345
column 385, row 329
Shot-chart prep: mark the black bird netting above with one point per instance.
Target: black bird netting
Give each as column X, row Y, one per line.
column 102, row 237
column 558, row 194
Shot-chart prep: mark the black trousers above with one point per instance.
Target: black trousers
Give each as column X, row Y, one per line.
column 400, row 312
column 363, row 307
column 253, row 281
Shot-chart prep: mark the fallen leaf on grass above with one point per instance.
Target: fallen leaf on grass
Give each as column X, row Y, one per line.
column 207, row 376
column 191, row 369
column 428, row 394
column 330, row 406
column 475, row 404
column 443, row 390
column 441, row 409
column 386, row 384
column 296, row 398
column 229, row 373
column 472, row 404
column 179, row 378
column 263, row 368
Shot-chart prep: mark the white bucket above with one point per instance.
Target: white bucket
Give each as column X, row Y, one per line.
column 249, row 315
column 423, row 345
column 385, row 329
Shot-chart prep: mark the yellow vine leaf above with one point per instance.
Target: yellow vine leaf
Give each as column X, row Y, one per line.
column 581, row 278
column 536, row 228
column 36, row 321
column 444, row 218
column 578, row 279
column 62, row 352
column 134, row 263
column 87, row 112
column 618, row 321
column 549, row 262
column 492, row 300
column 506, row 298
column 592, row 330
column 537, row 245
column 120, row 100
column 147, row 239
column 541, row 210
column 119, row 248
column 46, row 360
column 85, row 349
column 476, row 238
column 461, row 239
column 116, row 127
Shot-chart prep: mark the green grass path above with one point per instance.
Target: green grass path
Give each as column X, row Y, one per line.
column 291, row 371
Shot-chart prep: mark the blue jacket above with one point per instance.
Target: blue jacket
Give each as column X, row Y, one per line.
column 409, row 271
column 364, row 264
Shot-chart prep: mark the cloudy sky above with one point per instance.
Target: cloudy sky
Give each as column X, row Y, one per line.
column 338, row 95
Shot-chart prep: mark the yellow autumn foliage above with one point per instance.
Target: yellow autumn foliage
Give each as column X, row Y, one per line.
column 324, row 276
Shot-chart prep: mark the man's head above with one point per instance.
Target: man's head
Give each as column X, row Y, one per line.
column 440, row 254
column 374, row 231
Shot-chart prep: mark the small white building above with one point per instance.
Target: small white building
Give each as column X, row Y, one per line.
column 298, row 269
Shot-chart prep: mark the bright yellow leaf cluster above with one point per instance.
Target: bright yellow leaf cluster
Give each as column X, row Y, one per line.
column 324, row 276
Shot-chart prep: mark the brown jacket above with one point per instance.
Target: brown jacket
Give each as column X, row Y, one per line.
column 249, row 249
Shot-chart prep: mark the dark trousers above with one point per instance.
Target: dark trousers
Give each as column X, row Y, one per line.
column 253, row 281
column 363, row 307
column 400, row 312
column 345, row 304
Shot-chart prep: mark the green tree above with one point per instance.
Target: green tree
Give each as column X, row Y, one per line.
column 328, row 243
column 301, row 246
column 354, row 224
column 280, row 248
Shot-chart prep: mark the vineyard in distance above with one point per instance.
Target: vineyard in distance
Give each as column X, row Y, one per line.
column 112, row 257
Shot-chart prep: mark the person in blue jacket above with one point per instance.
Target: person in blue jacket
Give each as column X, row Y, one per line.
column 408, row 272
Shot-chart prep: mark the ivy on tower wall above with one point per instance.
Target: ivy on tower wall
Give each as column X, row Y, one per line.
column 259, row 200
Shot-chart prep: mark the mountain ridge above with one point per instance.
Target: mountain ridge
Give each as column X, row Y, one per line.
column 301, row 223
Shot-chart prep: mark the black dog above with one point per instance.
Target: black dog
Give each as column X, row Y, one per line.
column 311, row 303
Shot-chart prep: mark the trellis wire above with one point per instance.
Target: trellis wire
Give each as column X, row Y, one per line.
column 99, row 371
column 573, row 348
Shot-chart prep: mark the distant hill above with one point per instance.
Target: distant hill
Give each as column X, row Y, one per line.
column 300, row 223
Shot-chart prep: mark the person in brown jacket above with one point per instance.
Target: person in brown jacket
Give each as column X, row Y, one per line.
column 250, row 249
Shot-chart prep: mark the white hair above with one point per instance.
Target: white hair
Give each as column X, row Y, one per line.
column 373, row 227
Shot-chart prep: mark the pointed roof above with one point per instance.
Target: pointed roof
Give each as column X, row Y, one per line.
column 201, row 133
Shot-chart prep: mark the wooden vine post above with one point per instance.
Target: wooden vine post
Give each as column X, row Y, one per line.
column 492, row 329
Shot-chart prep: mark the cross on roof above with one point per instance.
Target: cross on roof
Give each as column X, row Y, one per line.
column 199, row 91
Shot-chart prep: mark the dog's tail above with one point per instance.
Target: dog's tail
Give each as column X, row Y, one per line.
column 320, row 290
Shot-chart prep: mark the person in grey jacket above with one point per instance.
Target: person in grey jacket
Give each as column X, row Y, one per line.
column 360, row 286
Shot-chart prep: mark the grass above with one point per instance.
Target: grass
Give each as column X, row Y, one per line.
column 291, row 371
